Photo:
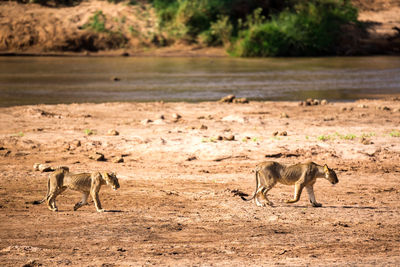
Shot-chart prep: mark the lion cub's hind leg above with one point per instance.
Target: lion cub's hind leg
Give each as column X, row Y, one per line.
column 267, row 182
column 82, row 202
column 51, row 198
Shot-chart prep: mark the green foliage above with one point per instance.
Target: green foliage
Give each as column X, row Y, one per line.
column 19, row 134
column 96, row 22
column 395, row 133
column 310, row 29
column 89, row 132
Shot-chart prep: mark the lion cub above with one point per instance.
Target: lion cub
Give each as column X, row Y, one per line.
column 87, row 183
column 301, row 175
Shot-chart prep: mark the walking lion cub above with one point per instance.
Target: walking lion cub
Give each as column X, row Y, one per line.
column 300, row 175
column 87, row 183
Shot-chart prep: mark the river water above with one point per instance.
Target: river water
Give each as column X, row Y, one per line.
column 51, row 80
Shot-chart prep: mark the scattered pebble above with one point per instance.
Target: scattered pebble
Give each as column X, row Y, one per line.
column 385, row 108
column 42, row 167
column 229, row 138
column 118, row 160
column 365, row 141
column 115, row 79
column 284, row 133
column 97, row 156
column 362, row 106
column 227, row 99
column 313, row 102
column 146, row 121
column 242, row 100
column 284, row 115
column 203, row 127
column 176, row 117
column 113, row 132
column 191, row 158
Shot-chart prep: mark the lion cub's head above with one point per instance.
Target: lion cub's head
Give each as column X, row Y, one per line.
column 330, row 175
column 111, row 179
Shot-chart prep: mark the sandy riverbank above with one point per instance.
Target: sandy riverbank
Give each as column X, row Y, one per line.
column 176, row 206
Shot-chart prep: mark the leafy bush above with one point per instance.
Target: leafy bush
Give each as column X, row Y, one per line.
column 273, row 28
column 311, row 29
column 96, row 22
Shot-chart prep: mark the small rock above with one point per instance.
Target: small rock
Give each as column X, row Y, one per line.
column 115, row 79
column 36, row 166
column 227, row 99
column 191, row 158
column 365, row 141
column 97, row 156
column 161, row 117
column 309, row 102
column 362, row 106
column 219, row 137
column 329, row 119
column 113, row 132
column 32, row 263
column 275, row 133
column 176, row 116
column 242, row 100
column 45, row 168
column 118, row 160
column 343, row 109
column 284, row 133
column 229, row 138
column 77, row 143
column 284, row 115
column 203, row 127
column 316, row 102
column 324, row 102
column 146, row 121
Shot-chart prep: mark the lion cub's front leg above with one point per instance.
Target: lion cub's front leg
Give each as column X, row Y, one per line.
column 311, row 196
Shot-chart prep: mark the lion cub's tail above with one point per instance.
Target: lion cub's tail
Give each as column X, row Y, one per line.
column 255, row 191
column 37, row 202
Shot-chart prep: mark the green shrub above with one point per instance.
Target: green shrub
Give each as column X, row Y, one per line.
column 310, row 29
column 96, row 22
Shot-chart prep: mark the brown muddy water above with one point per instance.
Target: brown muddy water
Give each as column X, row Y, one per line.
column 52, row 80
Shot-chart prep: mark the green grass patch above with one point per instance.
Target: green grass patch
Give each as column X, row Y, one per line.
column 89, row 132
column 395, row 133
column 96, row 22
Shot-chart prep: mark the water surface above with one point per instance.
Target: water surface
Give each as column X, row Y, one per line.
column 50, row 80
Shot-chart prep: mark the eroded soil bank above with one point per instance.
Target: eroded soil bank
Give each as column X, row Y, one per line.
column 176, row 205
column 32, row 29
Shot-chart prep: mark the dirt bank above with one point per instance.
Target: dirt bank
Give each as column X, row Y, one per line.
column 176, row 204
column 126, row 29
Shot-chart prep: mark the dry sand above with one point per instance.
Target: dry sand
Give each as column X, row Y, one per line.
column 176, row 204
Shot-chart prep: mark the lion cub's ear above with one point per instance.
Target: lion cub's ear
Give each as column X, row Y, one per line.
column 326, row 169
